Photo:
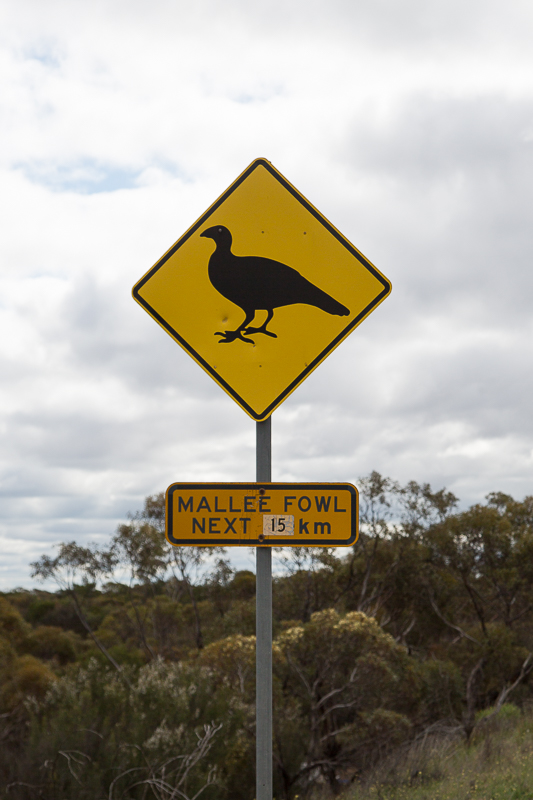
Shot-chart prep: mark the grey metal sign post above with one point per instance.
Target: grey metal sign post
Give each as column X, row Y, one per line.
column 263, row 657
column 352, row 291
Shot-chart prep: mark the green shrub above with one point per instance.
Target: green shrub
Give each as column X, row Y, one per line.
column 22, row 678
column 39, row 609
column 50, row 643
column 12, row 625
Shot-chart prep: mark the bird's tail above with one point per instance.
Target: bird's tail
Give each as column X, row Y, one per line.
column 337, row 308
column 329, row 304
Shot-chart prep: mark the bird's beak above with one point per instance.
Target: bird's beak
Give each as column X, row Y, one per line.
column 206, row 234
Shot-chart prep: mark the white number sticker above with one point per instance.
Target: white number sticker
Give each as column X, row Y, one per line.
column 277, row 525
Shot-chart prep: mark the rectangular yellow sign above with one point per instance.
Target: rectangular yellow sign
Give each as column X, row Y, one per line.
column 253, row 514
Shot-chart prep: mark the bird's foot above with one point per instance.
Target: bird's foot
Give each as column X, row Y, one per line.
column 231, row 336
column 262, row 329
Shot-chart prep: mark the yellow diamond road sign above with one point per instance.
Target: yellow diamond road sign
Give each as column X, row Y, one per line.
column 261, row 289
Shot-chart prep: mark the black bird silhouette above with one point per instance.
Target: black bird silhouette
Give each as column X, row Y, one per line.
column 255, row 284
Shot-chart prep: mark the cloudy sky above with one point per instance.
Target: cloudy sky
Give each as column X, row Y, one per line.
column 409, row 125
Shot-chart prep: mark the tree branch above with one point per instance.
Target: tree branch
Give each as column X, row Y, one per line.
column 525, row 669
column 450, row 624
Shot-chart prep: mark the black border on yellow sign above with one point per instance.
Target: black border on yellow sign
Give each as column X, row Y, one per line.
column 271, row 487
column 387, row 287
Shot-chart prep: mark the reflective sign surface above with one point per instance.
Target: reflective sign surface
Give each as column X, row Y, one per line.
column 261, row 289
column 251, row 514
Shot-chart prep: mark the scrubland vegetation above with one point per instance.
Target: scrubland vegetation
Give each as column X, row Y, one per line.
column 497, row 764
column 402, row 667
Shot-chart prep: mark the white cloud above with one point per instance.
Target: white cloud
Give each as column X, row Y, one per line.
column 409, row 125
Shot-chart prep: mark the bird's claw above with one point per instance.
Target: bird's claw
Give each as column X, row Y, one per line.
column 230, row 336
column 261, row 330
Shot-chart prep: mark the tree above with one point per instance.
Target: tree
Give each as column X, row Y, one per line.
column 140, row 549
column 337, row 697
column 307, row 583
column 187, row 562
column 381, row 575
column 74, row 566
column 478, row 579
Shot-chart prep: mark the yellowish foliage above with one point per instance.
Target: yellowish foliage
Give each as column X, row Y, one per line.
column 24, row 677
column 12, row 626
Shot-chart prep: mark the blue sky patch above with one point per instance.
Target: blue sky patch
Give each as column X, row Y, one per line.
column 47, row 51
column 82, row 177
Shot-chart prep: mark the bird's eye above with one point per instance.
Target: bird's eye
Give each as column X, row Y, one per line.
column 220, row 230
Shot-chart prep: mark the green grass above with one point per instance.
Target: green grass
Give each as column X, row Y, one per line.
column 496, row 765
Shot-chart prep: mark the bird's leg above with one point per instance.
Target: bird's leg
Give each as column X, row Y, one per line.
column 230, row 336
column 263, row 329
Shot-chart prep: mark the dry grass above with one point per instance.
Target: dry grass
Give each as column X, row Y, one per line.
column 496, row 765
